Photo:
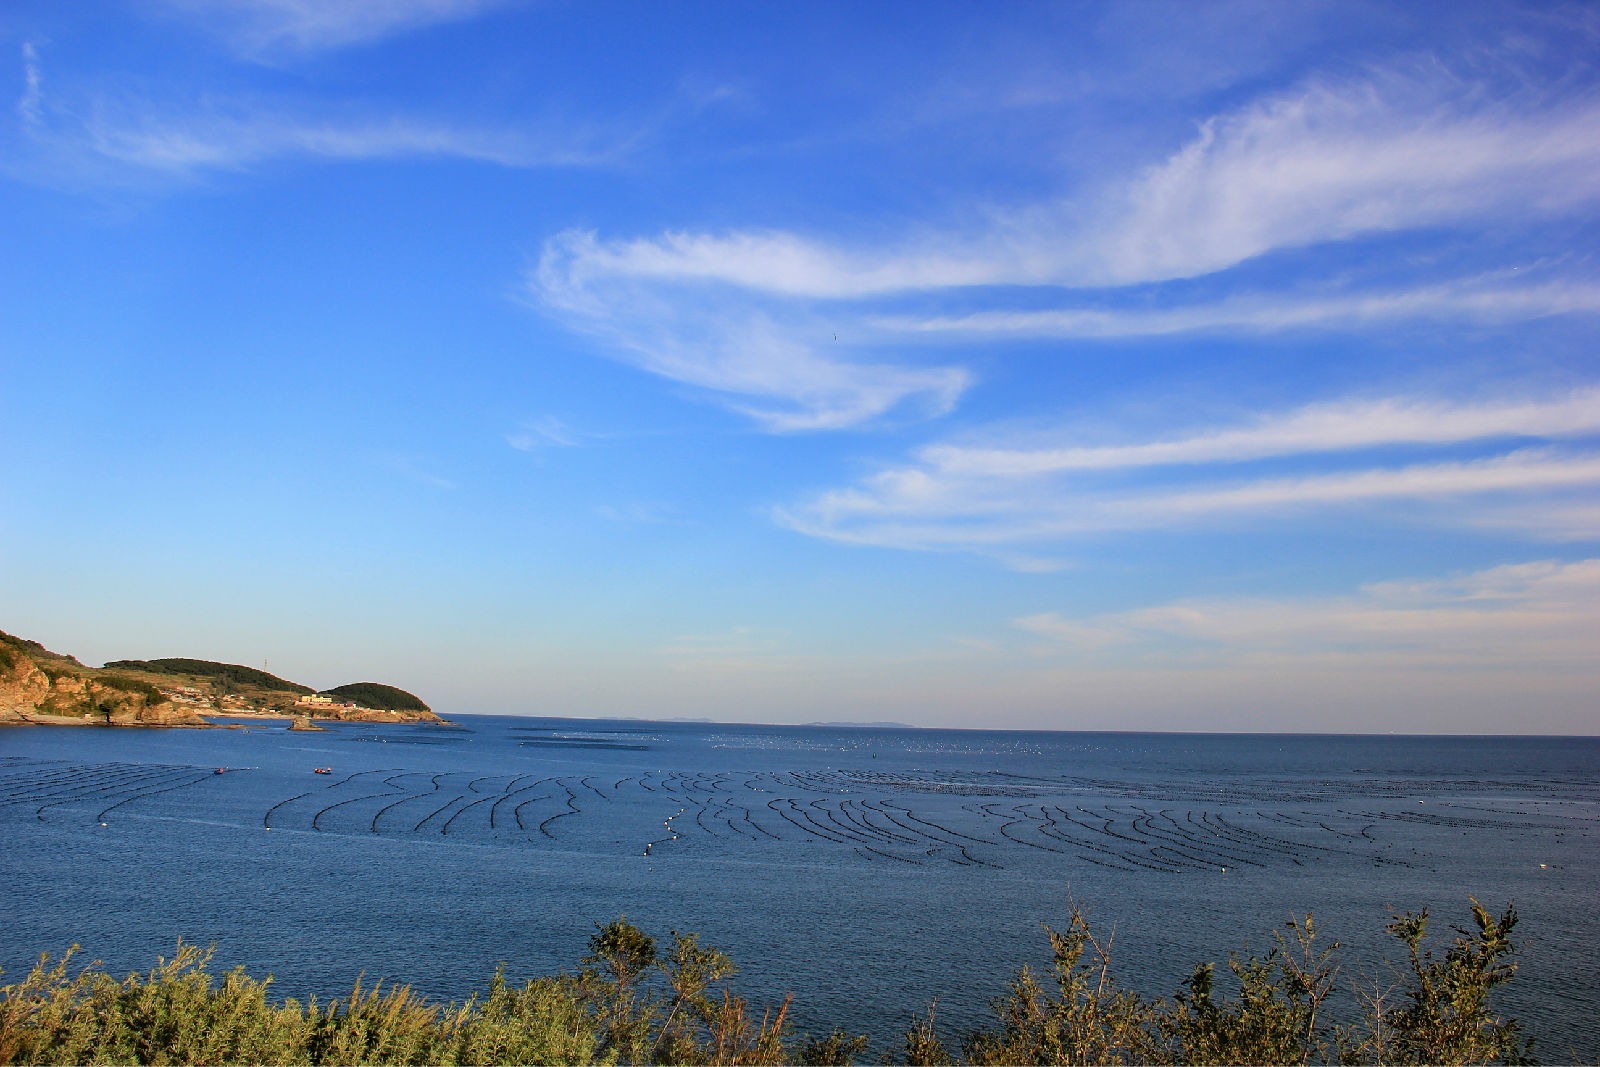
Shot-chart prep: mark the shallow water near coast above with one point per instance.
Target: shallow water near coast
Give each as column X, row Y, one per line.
column 866, row 871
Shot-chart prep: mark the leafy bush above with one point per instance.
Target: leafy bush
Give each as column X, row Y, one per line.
column 632, row 1003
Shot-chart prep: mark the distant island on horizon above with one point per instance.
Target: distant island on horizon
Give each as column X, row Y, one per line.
column 45, row 688
column 841, row 724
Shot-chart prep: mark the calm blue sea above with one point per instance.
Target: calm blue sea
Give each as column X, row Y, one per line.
column 866, row 871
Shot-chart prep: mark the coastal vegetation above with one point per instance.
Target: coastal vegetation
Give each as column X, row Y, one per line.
column 42, row 687
column 631, row 1000
column 39, row 685
column 377, row 696
column 230, row 674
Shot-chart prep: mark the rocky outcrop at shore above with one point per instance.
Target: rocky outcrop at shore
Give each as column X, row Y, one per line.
column 47, row 688
column 39, row 686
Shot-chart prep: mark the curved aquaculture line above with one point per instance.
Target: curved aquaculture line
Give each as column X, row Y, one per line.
column 937, row 826
column 857, row 811
column 445, row 829
column 772, row 806
column 125, row 783
column 384, row 810
column 436, row 811
column 517, row 811
column 1128, row 827
column 864, row 849
column 821, row 804
column 317, row 818
column 84, row 784
column 266, row 820
column 509, row 792
column 140, row 796
column 572, row 809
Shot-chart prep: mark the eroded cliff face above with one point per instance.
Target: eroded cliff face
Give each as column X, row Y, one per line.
column 53, row 692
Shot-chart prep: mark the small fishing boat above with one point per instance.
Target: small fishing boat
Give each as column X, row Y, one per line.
column 323, row 770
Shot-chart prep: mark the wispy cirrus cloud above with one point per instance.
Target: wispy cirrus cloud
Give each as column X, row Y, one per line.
column 1327, row 427
column 547, row 431
column 776, row 364
column 245, row 134
column 1476, row 300
column 85, row 134
column 996, row 499
column 1329, row 161
column 1544, row 613
column 1339, row 159
column 271, row 26
column 28, row 104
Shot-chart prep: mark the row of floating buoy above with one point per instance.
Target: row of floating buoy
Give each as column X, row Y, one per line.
column 667, row 822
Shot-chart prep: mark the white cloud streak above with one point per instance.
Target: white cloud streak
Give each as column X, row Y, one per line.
column 100, row 137
column 545, row 432
column 773, row 365
column 917, row 513
column 184, row 145
column 987, row 499
column 1328, row 162
column 1338, row 160
column 739, row 312
column 1317, row 428
column 1476, row 300
column 1523, row 472
column 267, row 26
column 1544, row 613
column 28, row 105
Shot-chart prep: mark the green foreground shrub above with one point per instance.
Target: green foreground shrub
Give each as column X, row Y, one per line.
column 630, row 1003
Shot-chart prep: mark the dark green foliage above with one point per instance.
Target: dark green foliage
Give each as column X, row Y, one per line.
column 377, row 696
column 835, row 1050
column 640, row 1022
column 923, row 1047
column 1088, row 1020
column 179, row 1013
column 23, row 645
column 15, row 650
column 230, row 673
column 1446, row 1017
column 131, row 685
column 1274, row 1019
column 632, row 1003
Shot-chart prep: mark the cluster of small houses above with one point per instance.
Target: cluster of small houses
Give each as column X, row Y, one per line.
column 318, row 702
column 312, row 704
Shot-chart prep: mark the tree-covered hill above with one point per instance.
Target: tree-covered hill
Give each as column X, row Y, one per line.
column 377, row 696
column 204, row 668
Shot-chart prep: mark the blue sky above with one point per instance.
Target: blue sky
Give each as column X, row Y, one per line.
column 1087, row 366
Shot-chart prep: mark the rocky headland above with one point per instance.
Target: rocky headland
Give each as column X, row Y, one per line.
column 42, row 687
